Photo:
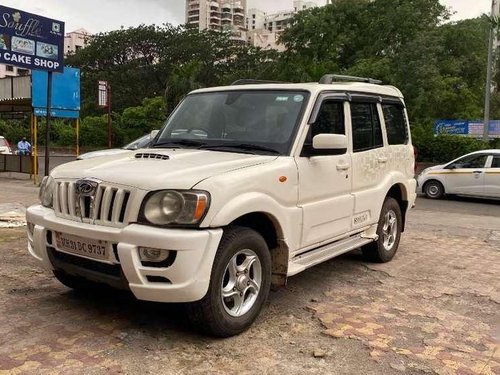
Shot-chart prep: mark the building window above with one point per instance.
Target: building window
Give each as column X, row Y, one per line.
column 9, row 68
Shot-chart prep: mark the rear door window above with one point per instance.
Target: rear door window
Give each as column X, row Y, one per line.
column 366, row 128
column 396, row 124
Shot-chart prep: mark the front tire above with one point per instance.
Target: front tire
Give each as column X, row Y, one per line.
column 434, row 189
column 389, row 230
column 239, row 284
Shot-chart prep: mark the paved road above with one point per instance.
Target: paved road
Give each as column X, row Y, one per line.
column 434, row 309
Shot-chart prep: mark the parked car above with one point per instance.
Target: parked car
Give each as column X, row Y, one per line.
column 142, row 142
column 245, row 186
column 476, row 174
column 5, row 146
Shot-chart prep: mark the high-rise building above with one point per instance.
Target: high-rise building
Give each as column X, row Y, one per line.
column 219, row 15
column 265, row 29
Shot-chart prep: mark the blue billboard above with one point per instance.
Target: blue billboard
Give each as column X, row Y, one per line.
column 65, row 93
column 31, row 41
column 467, row 128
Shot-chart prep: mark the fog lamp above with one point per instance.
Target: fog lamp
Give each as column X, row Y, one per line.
column 148, row 254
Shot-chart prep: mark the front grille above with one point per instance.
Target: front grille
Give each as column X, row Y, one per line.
column 109, row 206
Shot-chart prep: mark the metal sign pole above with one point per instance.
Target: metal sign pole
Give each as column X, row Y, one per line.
column 489, row 74
column 110, row 126
column 49, row 115
column 77, row 137
column 35, row 148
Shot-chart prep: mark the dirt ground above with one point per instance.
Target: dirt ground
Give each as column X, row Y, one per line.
column 434, row 310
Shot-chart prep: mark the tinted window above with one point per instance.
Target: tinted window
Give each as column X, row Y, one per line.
column 496, row 162
column 366, row 129
column 330, row 119
column 468, row 162
column 395, row 123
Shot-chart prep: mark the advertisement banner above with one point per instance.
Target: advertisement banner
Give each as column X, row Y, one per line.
column 467, row 128
column 31, row 41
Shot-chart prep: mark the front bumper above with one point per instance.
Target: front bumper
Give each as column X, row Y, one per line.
column 187, row 278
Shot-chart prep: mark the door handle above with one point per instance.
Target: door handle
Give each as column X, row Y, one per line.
column 477, row 172
column 343, row 167
column 382, row 160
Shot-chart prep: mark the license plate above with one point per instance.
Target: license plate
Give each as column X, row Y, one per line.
column 82, row 246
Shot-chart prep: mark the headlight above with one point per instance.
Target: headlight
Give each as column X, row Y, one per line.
column 169, row 207
column 46, row 192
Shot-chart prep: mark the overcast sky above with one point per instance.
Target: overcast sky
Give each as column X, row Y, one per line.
column 105, row 15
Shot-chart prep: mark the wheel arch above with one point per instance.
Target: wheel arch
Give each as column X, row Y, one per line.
column 400, row 193
column 270, row 229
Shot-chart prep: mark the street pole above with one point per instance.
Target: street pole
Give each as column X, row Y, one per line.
column 49, row 115
column 110, row 124
column 489, row 73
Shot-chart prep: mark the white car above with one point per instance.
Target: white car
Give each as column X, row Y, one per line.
column 137, row 144
column 5, row 146
column 476, row 174
column 245, row 186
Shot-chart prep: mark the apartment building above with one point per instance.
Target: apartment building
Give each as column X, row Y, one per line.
column 75, row 41
column 264, row 29
column 219, row 15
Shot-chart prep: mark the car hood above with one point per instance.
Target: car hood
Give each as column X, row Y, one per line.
column 169, row 169
column 99, row 153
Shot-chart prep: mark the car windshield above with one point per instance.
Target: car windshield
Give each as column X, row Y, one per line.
column 139, row 143
column 257, row 122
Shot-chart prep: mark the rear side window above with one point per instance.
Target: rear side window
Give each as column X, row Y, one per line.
column 395, row 123
column 366, row 129
column 496, row 162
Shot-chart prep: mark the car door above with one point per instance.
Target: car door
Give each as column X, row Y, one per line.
column 492, row 177
column 369, row 159
column 325, row 179
column 466, row 175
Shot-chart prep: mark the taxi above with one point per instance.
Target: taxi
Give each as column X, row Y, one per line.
column 475, row 174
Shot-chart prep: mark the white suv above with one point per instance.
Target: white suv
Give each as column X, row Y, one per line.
column 245, row 186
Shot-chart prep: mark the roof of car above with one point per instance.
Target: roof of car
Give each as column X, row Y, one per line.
column 314, row 88
column 492, row 151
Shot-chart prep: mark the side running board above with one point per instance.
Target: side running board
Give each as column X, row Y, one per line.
column 311, row 258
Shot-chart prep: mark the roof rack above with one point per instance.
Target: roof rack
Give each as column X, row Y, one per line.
column 254, row 82
column 330, row 78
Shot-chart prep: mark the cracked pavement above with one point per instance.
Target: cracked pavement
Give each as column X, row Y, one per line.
column 434, row 309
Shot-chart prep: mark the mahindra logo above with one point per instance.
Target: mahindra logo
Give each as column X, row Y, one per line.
column 86, row 187
column 86, row 190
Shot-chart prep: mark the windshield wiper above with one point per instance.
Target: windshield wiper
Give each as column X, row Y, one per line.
column 241, row 146
column 180, row 143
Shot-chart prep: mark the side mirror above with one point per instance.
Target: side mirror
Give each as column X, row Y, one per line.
column 330, row 142
column 154, row 133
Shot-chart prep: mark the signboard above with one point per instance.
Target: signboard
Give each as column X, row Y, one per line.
column 467, row 128
column 65, row 93
column 103, row 94
column 31, row 41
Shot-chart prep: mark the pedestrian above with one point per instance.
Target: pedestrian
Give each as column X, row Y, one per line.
column 24, row 147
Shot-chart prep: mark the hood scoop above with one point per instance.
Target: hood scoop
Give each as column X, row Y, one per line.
column 152, row 156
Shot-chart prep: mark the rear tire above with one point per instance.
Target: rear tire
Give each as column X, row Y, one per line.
column 389, row 230
column 434, row 189
column 239, row 284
